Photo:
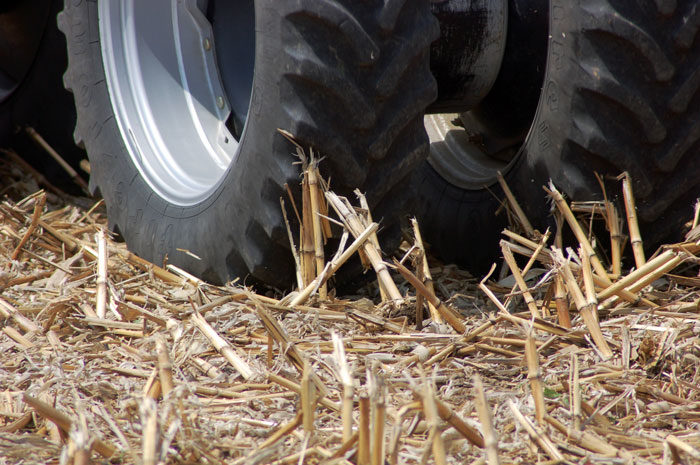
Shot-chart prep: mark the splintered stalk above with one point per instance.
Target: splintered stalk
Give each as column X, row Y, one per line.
column 578, row 232
column 79, row 447
column 396, row 434
column 450, row 316
column 307, row 227
column 270, row 349
column 282, row 431
column 355, row 225
column 347, row 381
column 31, row 132
column 533, row 374
column 63, row 421
column 443, row 410
column 165, row 367
column 379, row 408
column 559, row 235
column 519, row 213
column 427, row 277
column 489, row 293
column 616, row 238
column 562, row 303
column 151, row 431
column 575, row 392
column 589, row 287
column 345, row 447
column 296, row 388
column 529, row 300
column 490, row 435
column 335, row 264
column 287, row 347
column 311, row 172
column 642, row 275
column 420, row 299
column 585, row 439
column 683, row 446
column 431, row 417
column 17, row 337
column 101, row 281
column 363, row 452
column 586, row 312
column 569, row 280
column 373, row 238
column 538, row 436
column 547, row 257
column 612, row 220
column 36, row 215
column 536, row 254
column 152, row 388
column 293, row 247
column 632, row 223
column 308, row 266
column 222, row 346
column 307, row 398
column 7, row 311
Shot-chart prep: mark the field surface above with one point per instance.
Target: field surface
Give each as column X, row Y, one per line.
column 560, row 356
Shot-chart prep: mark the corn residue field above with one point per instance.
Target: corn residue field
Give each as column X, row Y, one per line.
column 559, row 356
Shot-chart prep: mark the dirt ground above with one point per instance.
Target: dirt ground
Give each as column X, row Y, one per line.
column 108, row 358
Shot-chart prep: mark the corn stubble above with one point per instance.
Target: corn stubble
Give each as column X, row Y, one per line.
column 584, row 361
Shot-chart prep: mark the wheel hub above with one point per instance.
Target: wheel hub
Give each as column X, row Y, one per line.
column 167, row 93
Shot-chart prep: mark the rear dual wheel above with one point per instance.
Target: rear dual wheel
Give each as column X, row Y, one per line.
column 616, row 88
column 179, row 103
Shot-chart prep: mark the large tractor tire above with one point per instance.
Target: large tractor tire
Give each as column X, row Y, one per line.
column 619, row 91
column 179, row 103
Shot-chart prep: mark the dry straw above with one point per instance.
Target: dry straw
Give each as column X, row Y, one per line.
column 180, row 371
column 632, row 222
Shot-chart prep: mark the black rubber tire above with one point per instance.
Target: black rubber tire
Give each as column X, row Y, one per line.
column 621, row 92
column 354, row 86
column 40, row 101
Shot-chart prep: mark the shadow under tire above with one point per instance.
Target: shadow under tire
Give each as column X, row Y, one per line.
column 31, row 93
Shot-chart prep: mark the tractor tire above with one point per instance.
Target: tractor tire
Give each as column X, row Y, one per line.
column 349, row 79
column 620, row 92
